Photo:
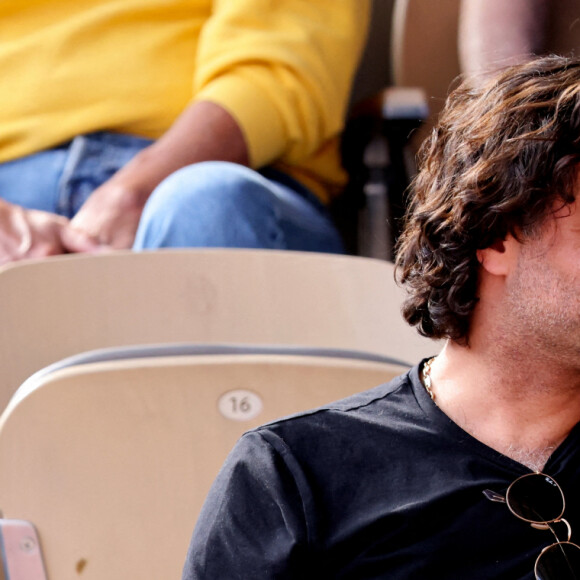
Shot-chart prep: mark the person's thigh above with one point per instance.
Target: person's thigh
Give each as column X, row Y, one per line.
column 60, row 180
column 92, row 160
column 33, row 181
column 220, row 204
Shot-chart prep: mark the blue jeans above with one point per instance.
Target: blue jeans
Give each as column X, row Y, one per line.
column 210, row 204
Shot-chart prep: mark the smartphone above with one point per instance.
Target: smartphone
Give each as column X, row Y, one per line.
column 20, row 551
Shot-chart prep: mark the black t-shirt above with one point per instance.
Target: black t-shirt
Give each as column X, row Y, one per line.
column 380, row 485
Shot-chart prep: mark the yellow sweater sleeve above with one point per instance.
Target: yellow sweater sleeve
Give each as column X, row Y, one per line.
column 283, row 69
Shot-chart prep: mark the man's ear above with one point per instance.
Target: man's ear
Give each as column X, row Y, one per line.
column 499, row 258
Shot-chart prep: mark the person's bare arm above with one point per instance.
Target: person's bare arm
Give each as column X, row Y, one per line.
column 497, row 33
column 204, row 131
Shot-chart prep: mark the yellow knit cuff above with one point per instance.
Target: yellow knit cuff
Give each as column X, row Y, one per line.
column 255, row 113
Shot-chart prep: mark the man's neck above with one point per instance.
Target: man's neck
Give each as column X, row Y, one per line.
column 523, row 409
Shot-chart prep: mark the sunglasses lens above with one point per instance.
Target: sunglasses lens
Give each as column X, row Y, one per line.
column 559, row 562
column 536, row 498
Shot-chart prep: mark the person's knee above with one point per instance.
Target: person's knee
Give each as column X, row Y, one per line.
column 208, row 204
column 220, row 185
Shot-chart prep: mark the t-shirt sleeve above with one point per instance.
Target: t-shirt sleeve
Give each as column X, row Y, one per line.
column 253, row 523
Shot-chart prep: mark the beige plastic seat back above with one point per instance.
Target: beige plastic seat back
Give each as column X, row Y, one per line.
column 424, row 47
column 424, row 43
column 111, row 461
column 374, row 70
column 55, row 308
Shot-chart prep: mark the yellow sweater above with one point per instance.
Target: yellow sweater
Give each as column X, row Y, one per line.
column 282, row 68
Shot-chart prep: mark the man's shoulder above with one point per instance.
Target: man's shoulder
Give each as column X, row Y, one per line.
column 377, row 405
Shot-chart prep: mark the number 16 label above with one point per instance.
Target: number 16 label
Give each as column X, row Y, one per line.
column 240, row 405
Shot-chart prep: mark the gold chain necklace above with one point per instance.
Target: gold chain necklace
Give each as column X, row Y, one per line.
column 426, row 377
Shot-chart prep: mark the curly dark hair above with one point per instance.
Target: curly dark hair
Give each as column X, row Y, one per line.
column 500, row 157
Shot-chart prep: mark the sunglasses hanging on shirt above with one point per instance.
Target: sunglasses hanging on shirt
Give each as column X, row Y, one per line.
column 536, row 498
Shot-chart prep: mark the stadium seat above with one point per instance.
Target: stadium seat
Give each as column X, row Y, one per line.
column 424, row 50
column 111, row 460
column 56, row 308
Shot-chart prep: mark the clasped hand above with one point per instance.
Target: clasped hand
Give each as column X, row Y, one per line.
column 34, row 234
column 108, row 220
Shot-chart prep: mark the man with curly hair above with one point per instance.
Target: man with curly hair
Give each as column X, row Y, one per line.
column 468, row 466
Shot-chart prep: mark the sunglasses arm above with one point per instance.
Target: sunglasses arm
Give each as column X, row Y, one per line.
column 494, row 496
